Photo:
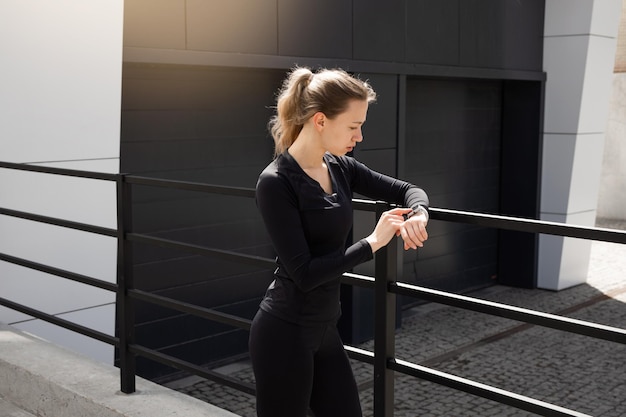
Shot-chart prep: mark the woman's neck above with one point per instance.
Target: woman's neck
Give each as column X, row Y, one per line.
column 306, row 151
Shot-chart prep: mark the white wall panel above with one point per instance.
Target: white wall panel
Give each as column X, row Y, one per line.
column 557, row 166
column 571, row 171
column 47, row 293
column 77, row 199
column 108, row 165
column 579, row 50
column 61, row 76
column 564, row 60
column 587, row 164
column 605, row 17
column 594, row 106
column 582, row 17
column 72, row 250
column 564, row 261
column 100, row 318
column 60, row 105
column 568, row 17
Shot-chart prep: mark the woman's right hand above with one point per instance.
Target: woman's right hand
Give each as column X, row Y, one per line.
column 387, row 227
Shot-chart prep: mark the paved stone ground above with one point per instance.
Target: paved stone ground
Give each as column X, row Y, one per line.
column 572, row 371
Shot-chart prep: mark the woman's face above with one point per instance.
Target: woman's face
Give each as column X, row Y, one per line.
column 341, row 134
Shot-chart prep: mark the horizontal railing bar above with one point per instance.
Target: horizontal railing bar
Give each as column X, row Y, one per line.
column 60, row 222
column 358, row 280
column 348, row 278
column 194, row 369
column 60, row 171
column 599, row 331
column 185, row 307
column 466, row 385
column 529, row 225
column 83, row 279
column 363, row 205
column 360, row 354
column 202, row 250
column 486, row 220
column 66, row 324
column 482, row 390
column 191, row 186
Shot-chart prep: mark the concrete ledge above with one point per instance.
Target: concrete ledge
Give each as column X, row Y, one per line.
column 50, row 381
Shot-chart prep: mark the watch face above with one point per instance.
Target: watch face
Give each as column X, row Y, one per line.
column 419, row 210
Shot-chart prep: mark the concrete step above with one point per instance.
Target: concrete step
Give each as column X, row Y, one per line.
column 7, row 409
column 49, row 380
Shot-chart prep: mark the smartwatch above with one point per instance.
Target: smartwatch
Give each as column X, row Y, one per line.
column 419, row 209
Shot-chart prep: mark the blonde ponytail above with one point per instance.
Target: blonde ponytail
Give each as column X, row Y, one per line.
column 304, row 93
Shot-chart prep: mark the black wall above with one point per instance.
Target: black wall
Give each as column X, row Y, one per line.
column 456, row 127
column 187, row 123
column 459, row 112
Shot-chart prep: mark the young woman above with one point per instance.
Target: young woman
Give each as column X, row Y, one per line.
column 305, row 199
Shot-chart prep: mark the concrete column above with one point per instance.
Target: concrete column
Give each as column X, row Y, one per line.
column 612, row 199
column 579, row 51
column 60, row 100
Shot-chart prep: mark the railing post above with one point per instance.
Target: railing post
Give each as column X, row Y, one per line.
column 124, row 309
column 384, row 324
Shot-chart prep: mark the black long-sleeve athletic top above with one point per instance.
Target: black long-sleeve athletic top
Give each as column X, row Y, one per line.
column 309, row 229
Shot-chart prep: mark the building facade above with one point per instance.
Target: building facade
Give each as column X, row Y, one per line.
column 612, row 197
column 492, row 106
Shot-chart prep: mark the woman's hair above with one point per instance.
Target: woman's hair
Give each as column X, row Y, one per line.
column 305, row 93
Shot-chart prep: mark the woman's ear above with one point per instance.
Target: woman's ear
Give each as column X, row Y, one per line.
column 319, row 119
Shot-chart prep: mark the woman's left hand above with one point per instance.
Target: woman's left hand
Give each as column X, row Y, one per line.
column 413, row 231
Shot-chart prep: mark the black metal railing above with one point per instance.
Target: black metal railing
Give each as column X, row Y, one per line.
column 384, row 283
column 103, row 337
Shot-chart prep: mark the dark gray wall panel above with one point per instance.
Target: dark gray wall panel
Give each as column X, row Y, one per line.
column 432, row 32
column 206, row 122
column 502, row 34
column 151, row 24
column 232, row 26
column 381, row 160
column 520, row 180
column 379, row 30
column 381, row 128
column 322, row 28
column 206, row 125
column 203, row 351
column 453, row 151
column 194, row 122
column 188, row 158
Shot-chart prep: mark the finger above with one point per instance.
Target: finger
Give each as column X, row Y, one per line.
column 415, row 237
column 400, row 211
column 396, row 214
column 417, row 232
column 419, row 228
column 422, row 233
column 403, row 235
column 409, row 240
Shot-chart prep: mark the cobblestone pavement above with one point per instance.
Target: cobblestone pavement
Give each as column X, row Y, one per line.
column 577, row 372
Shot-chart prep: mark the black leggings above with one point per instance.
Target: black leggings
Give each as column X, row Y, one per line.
column 297, row 367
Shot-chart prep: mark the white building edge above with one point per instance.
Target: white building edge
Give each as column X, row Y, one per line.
column 60, row 95
column 60, row 101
